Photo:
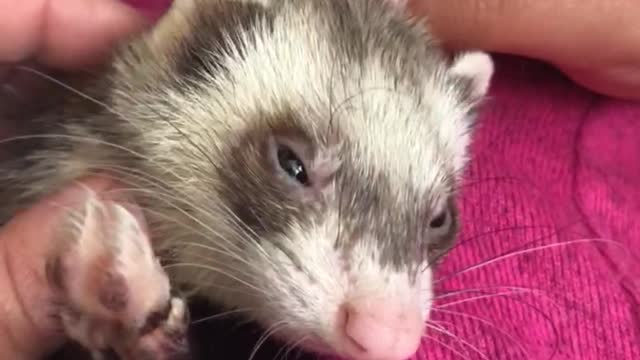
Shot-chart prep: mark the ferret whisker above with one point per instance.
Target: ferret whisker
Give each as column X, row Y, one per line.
column 506, row 296
column 167, row 199
column 217, row 236
column 207, row 230
column 222, row 315
column 248, row 231
column 295, row 347
column 476, row 298
column 69, row 88
column 436, row 323
column 267, row 334
column 110, row 109
column 511, row 290
column 198, row 253
column 73, row 137
column 216, row 271
column 204, row 251
column 138, row 174
column 554, row 231
column 288, row 348
column 468, row 239
column 469, row 182
column 89, row 140
column 157, row 194
column 486, row 322
column 524, row 251
column 446, row 332
column 546, row 317
column 449, row 293
column 252, row 232
column 453, row 350
column 298, row 352
column 217, row 287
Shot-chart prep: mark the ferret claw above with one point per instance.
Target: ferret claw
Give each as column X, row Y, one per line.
column 114, row 293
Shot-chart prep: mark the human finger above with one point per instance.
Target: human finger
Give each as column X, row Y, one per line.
column 68, row 33
column 594, row 42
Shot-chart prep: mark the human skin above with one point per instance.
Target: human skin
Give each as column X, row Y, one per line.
column 69, row 33
column 596, row 43
column 591, row 41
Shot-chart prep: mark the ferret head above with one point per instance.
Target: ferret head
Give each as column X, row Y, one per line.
column 325, row 142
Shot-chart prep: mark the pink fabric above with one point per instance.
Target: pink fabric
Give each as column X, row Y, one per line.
column 552, row 164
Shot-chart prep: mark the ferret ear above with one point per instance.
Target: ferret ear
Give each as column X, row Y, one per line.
column 475, row 68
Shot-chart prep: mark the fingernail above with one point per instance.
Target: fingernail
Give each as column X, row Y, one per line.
column 152, row 8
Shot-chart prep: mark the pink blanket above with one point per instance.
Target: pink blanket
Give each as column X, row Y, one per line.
column 554, row 167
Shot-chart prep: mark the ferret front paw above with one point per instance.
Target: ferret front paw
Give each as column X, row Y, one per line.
column 114, row 295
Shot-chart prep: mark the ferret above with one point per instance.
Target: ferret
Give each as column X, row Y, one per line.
column 294, row 160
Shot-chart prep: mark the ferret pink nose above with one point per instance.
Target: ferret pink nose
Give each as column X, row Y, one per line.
column 381, row 330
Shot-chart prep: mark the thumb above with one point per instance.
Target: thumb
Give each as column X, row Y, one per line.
column 594, row 42
column 29, row 328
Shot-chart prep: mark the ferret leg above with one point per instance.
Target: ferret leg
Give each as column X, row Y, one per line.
column 114, row 294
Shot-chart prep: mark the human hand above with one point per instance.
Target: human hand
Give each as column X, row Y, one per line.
column 595, row 43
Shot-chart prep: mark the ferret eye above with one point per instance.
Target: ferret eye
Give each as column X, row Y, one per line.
column 441, row 220
column 292, row 165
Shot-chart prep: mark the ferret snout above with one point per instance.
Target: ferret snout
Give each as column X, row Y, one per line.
column 376, row 329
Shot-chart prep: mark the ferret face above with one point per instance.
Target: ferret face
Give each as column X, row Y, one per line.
column 333, row 133
column 344, row 242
